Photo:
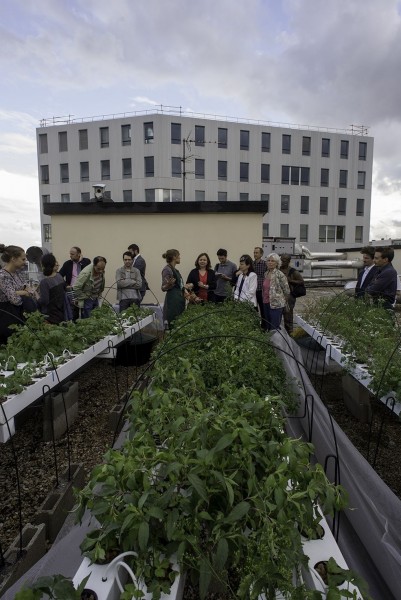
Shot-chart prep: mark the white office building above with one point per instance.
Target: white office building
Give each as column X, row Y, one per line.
column 317, row 182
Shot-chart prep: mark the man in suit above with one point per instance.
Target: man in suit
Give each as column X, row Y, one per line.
column 140, row 264
column 384, row 285
column 70, row 271
column 367, row 273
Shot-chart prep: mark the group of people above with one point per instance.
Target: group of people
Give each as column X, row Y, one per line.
column 378, row 279
column 67, row 293
column 271, row 285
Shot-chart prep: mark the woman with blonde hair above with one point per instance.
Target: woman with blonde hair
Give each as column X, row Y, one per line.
column 275, row 291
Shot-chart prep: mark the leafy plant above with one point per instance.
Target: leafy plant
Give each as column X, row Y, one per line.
column 57, row 587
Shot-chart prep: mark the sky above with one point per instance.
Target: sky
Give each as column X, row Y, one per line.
column 330, row 63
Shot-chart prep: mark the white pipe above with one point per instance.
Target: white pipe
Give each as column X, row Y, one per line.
column 335, row 264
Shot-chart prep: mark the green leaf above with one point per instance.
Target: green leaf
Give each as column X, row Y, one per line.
column 221, row 554
column 197, row 484
column 156, row 512
column 223, row 442
column 238, row 512
column 143, row 535
column 205, row 577
column 143, row 499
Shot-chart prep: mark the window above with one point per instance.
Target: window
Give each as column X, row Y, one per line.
column 295, row 175
column 306, row 146
column 176, row 133
column 84, row 171
column 104, row 137
column 359, row 233
column 107, row 195
column 85, row 196
column 44, row 174
column 285, row 174
column 360, row 207
column 286, row 144
column 324, row 177
column 324, row 202
column 244, row 171
column 331, row 233
column 344, row 149
column 222, row 169
column 342, row 206
column 361, row 180
column 265, row 173
column 83, row 139
column 47, row 233
column 222, row 196
column 304, row 205
column 176, row 166
column 325, row 147
column 172, row 195
column 43, row 149
column 244, row 139
column 305, row 175
column 343, row 179
column 284, row 230
column 105, row 169
column 65, row 197
column 222, row 136
column 303, row 232
column 127, row 168
column 150, row 195
column 127, row 195
column 45, row 198
column 244, row 197
column 148, row 132
column 62, row 141
column 265, row 141
column 199, row 135
column 64, row 173
column 265, row 198
column 265, row 229
column 285, row 204
column 126, row 135
column 363, row 147
column 199, row 195
column 149, row 166
column 199, row 168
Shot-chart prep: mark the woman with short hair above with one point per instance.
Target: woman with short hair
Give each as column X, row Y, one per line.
column 275, row 291
column 201, row 281
column 52, row 298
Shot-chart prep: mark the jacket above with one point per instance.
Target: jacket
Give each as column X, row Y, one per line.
column 133, row 282
column 193, row 277
column 245, row 288
column 384, row 284
column 360, row 289
column 84, row 286
column 66, row 269
column 279, row 289
column 140, row 264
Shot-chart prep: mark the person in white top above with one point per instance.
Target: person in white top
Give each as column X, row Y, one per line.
column 247, row 282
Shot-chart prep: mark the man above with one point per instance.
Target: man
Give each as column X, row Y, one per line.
column 89, row 286
column 367, row 273
column 225, row 271
column 259, row 266
column 70, row 271
column 384, row 285
column 129, row 283
column 297, row 289
column 140, row 264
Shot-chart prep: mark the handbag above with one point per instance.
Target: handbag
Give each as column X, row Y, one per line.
column 29, row 304
column 298, row 289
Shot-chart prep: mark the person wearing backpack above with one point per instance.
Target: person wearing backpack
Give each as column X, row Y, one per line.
column 297, row 289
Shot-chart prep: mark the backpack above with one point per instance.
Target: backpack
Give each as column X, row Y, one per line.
column 299, row 289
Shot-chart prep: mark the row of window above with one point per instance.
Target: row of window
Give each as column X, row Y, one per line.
column 200, row 196
column 327, row 233
column 200, row 140
column 289, row 175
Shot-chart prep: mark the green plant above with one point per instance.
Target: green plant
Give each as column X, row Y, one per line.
column 57, row 587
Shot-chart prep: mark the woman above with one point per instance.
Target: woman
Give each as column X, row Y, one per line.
column 12, row 289
column 275, row 292
column 201, row 281
column 172, row 284
column 247, row 281
column 52, row 298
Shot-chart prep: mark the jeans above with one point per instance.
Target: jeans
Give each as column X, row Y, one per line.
column 89, row 305
column 127, row 302
column 273, row 317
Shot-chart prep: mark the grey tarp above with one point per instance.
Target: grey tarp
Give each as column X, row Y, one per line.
column 370, row 530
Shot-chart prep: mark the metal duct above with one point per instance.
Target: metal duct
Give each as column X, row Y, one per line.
column 336, row 264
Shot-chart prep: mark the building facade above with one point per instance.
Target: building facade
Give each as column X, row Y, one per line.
column 317, row 182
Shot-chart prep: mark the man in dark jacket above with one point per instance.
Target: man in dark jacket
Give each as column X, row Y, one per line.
column 367, row 273
column 140, row 264
column 70, row 271
column 384, row 285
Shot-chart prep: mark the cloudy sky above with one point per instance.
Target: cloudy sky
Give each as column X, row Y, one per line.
column 320, row 62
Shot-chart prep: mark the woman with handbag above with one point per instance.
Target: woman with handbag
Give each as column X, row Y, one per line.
column 13, row 290
column 201, row 281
